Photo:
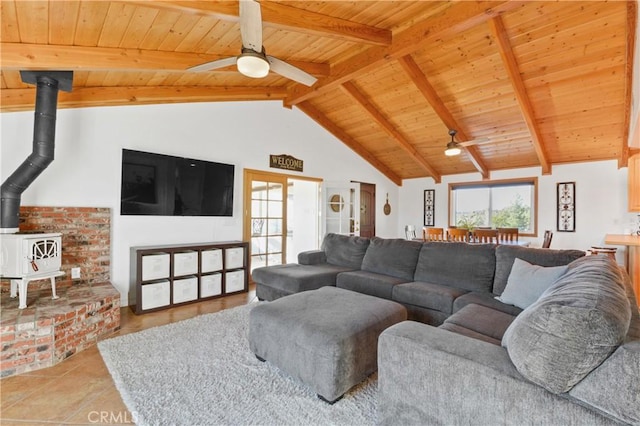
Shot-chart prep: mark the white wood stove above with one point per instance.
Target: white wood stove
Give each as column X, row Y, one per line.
column 28, row 257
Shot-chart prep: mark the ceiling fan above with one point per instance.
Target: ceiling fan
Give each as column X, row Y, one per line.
column 455, row 148
column 253, row 61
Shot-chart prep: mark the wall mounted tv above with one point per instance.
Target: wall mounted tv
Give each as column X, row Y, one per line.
column 163, row 185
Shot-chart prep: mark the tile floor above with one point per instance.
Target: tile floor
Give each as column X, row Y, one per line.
column 79, row 390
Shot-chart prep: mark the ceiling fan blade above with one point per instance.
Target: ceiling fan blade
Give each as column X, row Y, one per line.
column 213, row 65
column 291, row 72
column 478, row 141
column 251, row 25
column 499, row 138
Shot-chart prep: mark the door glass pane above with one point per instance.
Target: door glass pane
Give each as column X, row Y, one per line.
column 274, row 259
column 259, row 190
column 275, row 227
column 258, row 246
column 257, row 227
column 274, row 244
column 258, row 208
column 275, row 191
column 275, row 209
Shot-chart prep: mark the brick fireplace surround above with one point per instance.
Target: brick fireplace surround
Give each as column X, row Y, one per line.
column 49, row 331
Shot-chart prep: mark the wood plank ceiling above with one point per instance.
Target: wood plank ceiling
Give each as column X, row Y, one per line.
column 542, row 83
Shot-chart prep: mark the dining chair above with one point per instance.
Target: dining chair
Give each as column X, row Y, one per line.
column 410, row 232
column 507, row 235
column 546, row 242
column 433, row 234
column 458, row 234
column 485, row 235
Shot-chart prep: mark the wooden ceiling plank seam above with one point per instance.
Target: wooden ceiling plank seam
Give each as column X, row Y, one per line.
column 33, row 21
column 458, row 17
column 632, row 17
column 91, row 17
column 160, row 26
column 320, row 118
column 284, row 17
column 511, row 66
column 24, row 99
column 350, row 89
column 42, row 56
column 9, row 30
column 422, row 83
column 118, row 19
column 137, row 28
column 65, row 12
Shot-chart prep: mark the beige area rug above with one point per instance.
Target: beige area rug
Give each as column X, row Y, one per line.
column 201, row 372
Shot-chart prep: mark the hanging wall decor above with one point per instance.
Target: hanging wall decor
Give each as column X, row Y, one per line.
column 429, row 207
column 566, row 207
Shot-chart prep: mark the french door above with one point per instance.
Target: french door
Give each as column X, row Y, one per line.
column 265, row 204
column 281, row 214
column 342, row 208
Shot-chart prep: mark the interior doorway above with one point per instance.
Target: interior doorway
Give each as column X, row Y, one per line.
column 281, row 216
column 367, row 210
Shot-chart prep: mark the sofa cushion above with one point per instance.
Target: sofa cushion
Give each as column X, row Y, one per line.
column 294, row 278
column 574, row 326
column 312, row 257
column 368, row 283
column 427, row 295
column 481, row 320
column 395, row 257
column 454, row 328
column 461, row 265
column 344, row 250
column 484, row 299
column 506, row 254
column 527, row 282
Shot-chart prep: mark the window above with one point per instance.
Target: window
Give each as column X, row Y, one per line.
column 498, row 204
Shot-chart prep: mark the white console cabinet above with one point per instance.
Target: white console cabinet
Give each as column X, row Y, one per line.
column 167, row 275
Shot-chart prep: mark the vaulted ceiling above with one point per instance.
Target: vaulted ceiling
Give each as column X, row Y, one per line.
column 530, row 83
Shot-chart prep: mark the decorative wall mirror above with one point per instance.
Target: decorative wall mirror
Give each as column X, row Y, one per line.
column 336, row 202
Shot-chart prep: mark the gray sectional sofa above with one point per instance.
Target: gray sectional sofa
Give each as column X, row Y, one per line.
column 497, row 334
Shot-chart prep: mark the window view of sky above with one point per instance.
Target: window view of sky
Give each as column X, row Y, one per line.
column 504, row 205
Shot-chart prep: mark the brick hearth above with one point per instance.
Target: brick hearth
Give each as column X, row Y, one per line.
column 49, row 331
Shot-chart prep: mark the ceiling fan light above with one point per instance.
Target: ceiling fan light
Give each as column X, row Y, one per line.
column 452, row 149
column 252, row 64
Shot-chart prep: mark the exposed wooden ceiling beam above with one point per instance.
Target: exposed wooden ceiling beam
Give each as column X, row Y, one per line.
column 351, row 90
column 511, row 66
column 456, row 18
column 343, row 136
column 24, row 99
column 18, row 56
column 282, row 16
column 422, row 83
column 632, row 18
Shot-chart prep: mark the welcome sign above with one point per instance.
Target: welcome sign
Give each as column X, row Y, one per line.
column 286, row 162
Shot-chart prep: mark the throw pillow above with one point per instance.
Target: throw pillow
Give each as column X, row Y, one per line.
column 527, row 282
column 574, row 326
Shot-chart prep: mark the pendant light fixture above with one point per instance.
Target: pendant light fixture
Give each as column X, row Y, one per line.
column 452, row 147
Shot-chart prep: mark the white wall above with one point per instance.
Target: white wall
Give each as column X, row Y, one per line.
column 601, row 201
column 89, row 142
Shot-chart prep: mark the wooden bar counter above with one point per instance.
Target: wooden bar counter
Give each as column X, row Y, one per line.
column 633, row 256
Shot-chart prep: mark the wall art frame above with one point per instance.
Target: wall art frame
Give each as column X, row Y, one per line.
column 566, row 196
column 429, row 207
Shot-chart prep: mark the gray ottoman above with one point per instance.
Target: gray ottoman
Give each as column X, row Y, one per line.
column 326, row 338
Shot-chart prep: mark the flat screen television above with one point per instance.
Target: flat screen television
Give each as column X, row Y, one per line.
column 164, row 185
